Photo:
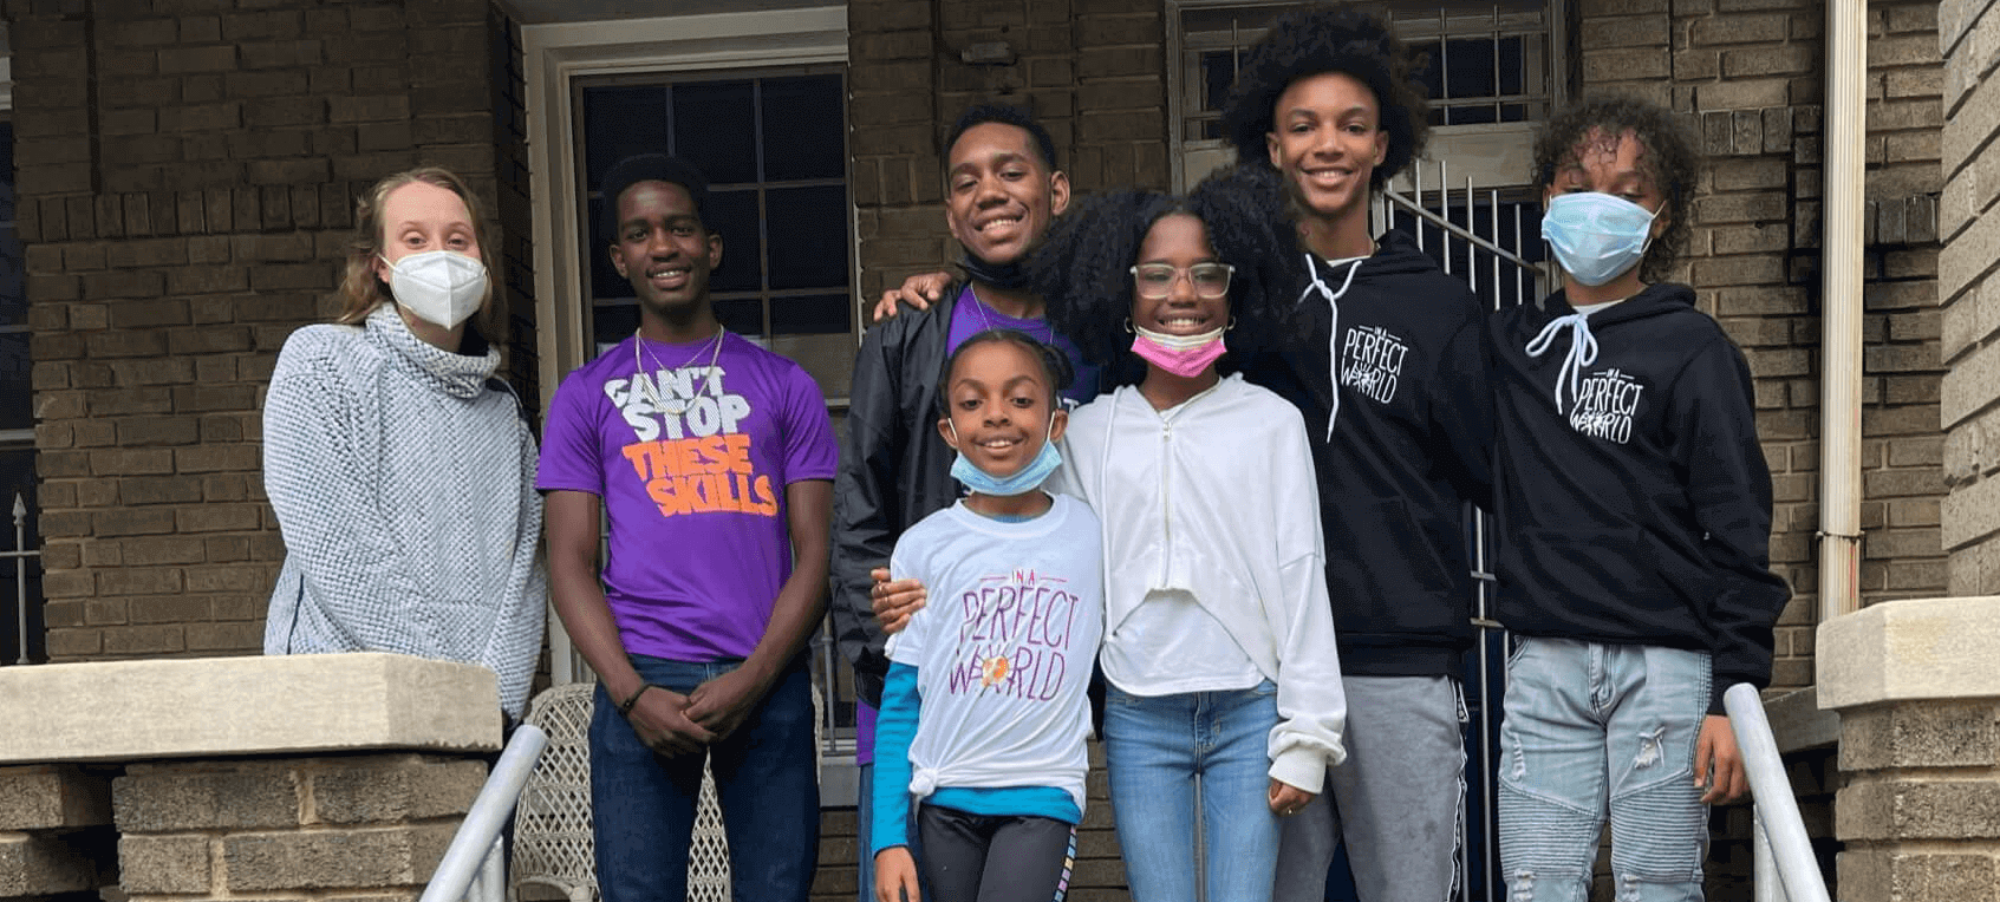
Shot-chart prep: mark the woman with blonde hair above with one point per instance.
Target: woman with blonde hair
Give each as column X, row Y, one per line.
column 401, row 468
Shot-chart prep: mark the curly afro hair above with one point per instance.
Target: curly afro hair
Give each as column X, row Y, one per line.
column 1670, row 157
column 1083, row 267
column 1330, row 38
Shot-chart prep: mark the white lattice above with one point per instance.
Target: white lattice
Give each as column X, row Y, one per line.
column 552, row 840
column 552, row 828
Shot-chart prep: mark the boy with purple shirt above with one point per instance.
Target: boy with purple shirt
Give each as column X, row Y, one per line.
column 712, row 461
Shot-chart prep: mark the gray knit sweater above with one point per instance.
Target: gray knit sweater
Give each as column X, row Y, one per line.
column 404, row 485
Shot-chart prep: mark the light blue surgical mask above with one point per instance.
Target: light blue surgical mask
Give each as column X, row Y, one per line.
column 1596, row 237
column 1024, row 480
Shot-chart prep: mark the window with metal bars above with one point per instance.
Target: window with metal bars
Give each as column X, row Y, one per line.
column 1487, row 64
column 22, row 633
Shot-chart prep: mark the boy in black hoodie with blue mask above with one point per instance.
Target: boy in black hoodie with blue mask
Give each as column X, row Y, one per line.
column 1634, row 512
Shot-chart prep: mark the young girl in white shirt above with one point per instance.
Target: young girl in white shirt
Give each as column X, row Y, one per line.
column 1218, row 643
column 984, row 714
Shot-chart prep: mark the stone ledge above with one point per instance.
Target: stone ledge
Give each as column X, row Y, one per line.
column 1933, row 648
column 1798, row 723
column 208, row 707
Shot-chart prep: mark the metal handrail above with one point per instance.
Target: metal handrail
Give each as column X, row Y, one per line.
column 475, row 849
column 1778, row 824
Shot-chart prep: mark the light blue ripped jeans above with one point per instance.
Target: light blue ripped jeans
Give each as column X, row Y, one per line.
column 1590, row 726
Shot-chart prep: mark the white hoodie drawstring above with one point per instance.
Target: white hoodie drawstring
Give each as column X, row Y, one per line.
column 1582, row 351
column 1333, row 335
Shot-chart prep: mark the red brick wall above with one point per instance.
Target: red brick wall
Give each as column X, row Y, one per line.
column 186, row 175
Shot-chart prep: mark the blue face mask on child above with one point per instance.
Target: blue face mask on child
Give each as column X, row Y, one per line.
column 1024, row 480
column 1596, row 237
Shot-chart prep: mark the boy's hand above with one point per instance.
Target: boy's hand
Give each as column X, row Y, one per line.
column 1716, row 751
column 661, row 720
column 894, row 602
column 896, row 875
column 919, row 291
column 721, row 704
column 1286, row 799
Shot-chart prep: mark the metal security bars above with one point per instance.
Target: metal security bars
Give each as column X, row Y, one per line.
column 20, row 556
column 1492, row 239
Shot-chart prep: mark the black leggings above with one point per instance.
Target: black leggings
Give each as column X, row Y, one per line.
column 976, row 858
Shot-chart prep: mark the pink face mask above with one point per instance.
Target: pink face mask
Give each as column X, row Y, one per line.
column 1186, row 356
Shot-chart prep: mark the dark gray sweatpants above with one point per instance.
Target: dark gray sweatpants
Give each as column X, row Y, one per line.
column 1398, row 801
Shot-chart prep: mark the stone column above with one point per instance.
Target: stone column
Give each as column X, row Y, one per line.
column 308, row 777
column 1918, row 693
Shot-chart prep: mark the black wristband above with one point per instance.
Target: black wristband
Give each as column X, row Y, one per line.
column 625, row 707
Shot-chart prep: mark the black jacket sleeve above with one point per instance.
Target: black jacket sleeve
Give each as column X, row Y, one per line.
column 1461, row 408
column 1713, row 415
column 866, row 515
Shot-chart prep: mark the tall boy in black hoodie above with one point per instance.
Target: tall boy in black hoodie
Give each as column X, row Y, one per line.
column 1389, row 377
column 1634, row 513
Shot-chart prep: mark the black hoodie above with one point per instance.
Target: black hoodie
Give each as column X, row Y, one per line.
column 1408, row 447
column 1633, row 499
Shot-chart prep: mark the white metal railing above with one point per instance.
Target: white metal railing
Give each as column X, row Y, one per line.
column 21, row 554
column 1780, row 834
column 472, row 868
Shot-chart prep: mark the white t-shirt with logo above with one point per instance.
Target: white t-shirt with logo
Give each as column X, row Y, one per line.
column 1004, row 648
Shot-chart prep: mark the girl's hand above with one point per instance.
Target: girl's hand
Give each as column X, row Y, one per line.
column 894, row 602
column 896, row 875
column 1287, row 800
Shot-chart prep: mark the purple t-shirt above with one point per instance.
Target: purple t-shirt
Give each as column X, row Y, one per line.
column 695, row 493
column 970, row 317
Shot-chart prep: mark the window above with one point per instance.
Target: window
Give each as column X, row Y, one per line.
column 17, row 436
column 1490, row 76
column 773, row 148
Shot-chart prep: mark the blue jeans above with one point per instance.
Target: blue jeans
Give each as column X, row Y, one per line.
column 643, row 804
column 1589, row 727
column 1155, row 747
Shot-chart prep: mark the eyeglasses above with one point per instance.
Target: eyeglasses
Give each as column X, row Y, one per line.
column 1156, row 280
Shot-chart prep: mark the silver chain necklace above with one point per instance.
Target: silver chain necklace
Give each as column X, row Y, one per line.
column 646, row 385
column 1049, row 328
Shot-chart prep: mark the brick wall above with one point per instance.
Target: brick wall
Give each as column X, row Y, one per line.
column 1971, row 293
column 187, row 173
